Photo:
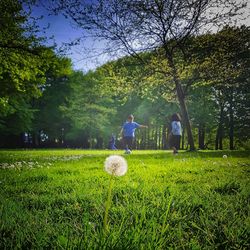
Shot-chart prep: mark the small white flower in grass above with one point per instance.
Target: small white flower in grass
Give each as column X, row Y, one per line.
column 224, row 156
column 116, row 165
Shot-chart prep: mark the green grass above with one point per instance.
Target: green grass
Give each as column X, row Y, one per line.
column 55, row 199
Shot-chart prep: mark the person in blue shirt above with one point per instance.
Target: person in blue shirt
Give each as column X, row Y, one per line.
column 176, row 132
column 128, row 132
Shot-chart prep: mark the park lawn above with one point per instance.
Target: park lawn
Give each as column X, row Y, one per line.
column 55, row 199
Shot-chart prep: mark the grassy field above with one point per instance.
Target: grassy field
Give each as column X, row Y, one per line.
column 54, row 199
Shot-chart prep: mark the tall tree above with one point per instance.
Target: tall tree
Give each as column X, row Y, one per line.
column 222, row 60
column 203, row 112
column 48, row 118
column 131, row 27
column 26, row 67
column 23, row 64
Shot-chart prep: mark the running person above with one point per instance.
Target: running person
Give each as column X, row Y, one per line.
column 128, row 133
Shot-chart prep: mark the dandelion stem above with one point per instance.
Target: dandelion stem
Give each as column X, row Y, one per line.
column 108, row 203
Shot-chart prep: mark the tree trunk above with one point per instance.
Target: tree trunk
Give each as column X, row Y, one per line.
column 159, row 138
column 231, row 123
column 138, row 140
column 148, row 139
column 183, row 138
column 156, row 138
column 151, row 139
column 219, row 134
column 143, row 139
column 221, row 142
column 181, row 98
column 35, row 139
column 201, row 134
column 231, row 134
column 217, row 140
column 164, row 136
column 185, row 115
column 99, row 143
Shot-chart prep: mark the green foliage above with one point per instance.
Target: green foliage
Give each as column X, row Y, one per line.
column 24, row 67
column 89, row 107
column 55, row 199
column 223, row 62
column 20, row 116
column 149, row 78
column 41, row 93
column 223, row 58
column 49, row 118
column 21, row 66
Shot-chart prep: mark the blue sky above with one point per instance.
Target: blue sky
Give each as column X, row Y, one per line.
column 64, row 31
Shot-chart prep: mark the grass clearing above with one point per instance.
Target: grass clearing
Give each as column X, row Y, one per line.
column 55, row 199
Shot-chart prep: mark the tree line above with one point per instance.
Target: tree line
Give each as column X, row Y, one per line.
column 44, row 102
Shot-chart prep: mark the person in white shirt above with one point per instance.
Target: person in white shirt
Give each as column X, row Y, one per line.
column 176, row 132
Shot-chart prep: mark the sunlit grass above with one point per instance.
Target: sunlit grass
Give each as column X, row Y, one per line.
column 55, row 199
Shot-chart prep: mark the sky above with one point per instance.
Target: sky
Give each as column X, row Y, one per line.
column 64, row 31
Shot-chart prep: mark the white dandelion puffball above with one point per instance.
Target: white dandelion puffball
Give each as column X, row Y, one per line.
column 224, row 156
column 116, row 165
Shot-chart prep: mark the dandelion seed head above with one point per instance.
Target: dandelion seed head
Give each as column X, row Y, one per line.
column 116, row 165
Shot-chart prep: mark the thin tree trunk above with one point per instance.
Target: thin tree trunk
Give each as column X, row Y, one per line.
column 159, row 138
column 100, row 142
column 138, row 140
column 152, row 139
column 201, row 134
column 35, row 139
column 164, row 136
column 185, row 116
column 156, row 138
column 217, row 140
column 183, row 139
column 148, row 139
column 182, row 103
column 219, row 135
column 231, row 123
column 221, row 142
column 144, row 139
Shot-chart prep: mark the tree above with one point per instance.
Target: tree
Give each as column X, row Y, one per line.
column 222, row 60
column 203, row 112
column 89, row 109
column 131, row 27
column 48, row 118
column 26, row 67
column 23, row 63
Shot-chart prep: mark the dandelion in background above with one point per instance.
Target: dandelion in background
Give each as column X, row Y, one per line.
column 225, row 157
column 114, row 165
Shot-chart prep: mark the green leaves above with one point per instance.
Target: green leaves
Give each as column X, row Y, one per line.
column 27, row 68
column 88, row 107
column 222, row 58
